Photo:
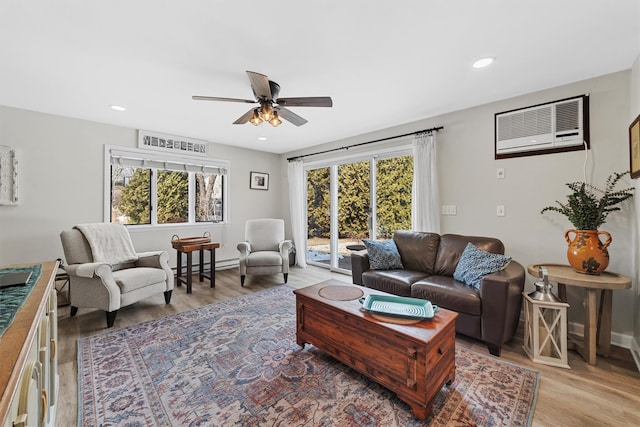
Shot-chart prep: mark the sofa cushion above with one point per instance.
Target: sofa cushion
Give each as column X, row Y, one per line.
column 383, row 254
column 130, row 279
column 448, row 293
column 397, row 282
column 452, row 246
column 264, row 258
column 417, row 249
column 475, row 263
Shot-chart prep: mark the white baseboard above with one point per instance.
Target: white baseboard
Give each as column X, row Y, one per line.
column 620, row 340
column 635, row 352
column 227, row 264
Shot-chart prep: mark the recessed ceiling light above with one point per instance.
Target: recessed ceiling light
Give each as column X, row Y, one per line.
column 484, row 62
column 262, row 138
column 118, row 108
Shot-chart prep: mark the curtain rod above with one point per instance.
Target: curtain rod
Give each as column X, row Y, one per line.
column 435, row 129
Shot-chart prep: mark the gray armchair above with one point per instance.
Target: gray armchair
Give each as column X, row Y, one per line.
column 265, row 250
column 106, row 273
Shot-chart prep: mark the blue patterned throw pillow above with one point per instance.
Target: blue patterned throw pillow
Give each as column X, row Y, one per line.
column 383, row 254
column 475, row 263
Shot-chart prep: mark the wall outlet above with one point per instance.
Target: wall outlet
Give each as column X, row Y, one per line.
column 500, row 210
column 500, row 173
column 448, row 209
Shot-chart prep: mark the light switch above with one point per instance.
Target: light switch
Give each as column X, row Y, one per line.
column 500, row 173
column 500, row 210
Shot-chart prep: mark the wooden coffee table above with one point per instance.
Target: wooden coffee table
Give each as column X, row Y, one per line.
column 412, row 358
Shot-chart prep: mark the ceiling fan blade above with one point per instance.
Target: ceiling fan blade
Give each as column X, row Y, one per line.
column 260, row 85
column 244, row 118
column 291, row 116
column 215, row 98
column 310, row 101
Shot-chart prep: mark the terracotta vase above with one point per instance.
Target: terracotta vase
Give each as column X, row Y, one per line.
column 586, row 253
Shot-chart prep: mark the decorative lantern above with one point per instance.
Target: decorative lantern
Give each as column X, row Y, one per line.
column 545, row 330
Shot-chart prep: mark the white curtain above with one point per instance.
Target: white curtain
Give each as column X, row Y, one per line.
column 298, row 210
column 425, row 203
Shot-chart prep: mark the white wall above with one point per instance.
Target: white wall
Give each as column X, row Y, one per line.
column 467, row 171
column 61, row 184
column 634, row 111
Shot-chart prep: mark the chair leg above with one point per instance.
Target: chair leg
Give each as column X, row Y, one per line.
column 494, row 349
column 242, row 276
column 286, row 276
column 111, row 317
column 74, row 311
column 167, row 297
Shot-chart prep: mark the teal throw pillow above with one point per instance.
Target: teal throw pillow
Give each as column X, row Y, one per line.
column 383, row 254
column 475, row 263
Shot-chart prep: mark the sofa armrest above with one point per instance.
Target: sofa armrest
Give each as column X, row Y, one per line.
column 93, row 285
column 359, row 264
column 284, row 247
column 87, row 270
column 244, row 248
column 157, row 259
column 501, row 296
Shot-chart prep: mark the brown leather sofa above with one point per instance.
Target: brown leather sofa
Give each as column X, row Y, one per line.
column 490, row 314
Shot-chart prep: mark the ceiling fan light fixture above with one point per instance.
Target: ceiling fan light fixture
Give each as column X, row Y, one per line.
column 275, row 120
column 269, row 105
column 266, row 112
column 255, row 120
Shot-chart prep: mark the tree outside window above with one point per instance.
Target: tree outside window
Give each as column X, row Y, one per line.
column 130, row 195
column 173, row 197
column 208, row 197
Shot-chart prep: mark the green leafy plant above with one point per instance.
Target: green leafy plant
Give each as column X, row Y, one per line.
column 587, row 206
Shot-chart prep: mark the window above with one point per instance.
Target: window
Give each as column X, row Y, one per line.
column 150, row 189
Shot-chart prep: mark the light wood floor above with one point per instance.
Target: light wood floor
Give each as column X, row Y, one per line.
column 607, row 394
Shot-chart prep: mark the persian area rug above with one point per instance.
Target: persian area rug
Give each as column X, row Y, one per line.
column 237, row 363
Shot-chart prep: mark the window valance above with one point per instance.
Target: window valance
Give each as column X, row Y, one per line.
column 141, row 158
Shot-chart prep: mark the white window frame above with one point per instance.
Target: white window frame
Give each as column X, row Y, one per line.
column 186, row 163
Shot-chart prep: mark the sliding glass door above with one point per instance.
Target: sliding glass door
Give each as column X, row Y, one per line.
column 319, row 216
column 354, row 210
column 350, row 201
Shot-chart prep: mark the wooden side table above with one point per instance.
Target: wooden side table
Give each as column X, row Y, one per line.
column 597, row 326
column 188, row 249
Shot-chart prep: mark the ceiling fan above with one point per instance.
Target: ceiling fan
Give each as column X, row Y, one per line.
column 271, row 108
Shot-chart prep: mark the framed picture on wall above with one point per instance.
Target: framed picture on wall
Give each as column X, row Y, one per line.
column 259, row 181
column 634, row 148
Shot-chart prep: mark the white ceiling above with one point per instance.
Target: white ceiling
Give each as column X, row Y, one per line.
column 384, row 63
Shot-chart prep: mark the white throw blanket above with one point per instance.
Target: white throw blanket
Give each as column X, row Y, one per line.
column 109, row 243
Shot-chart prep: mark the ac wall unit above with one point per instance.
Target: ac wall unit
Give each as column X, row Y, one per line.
column 547, row 128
